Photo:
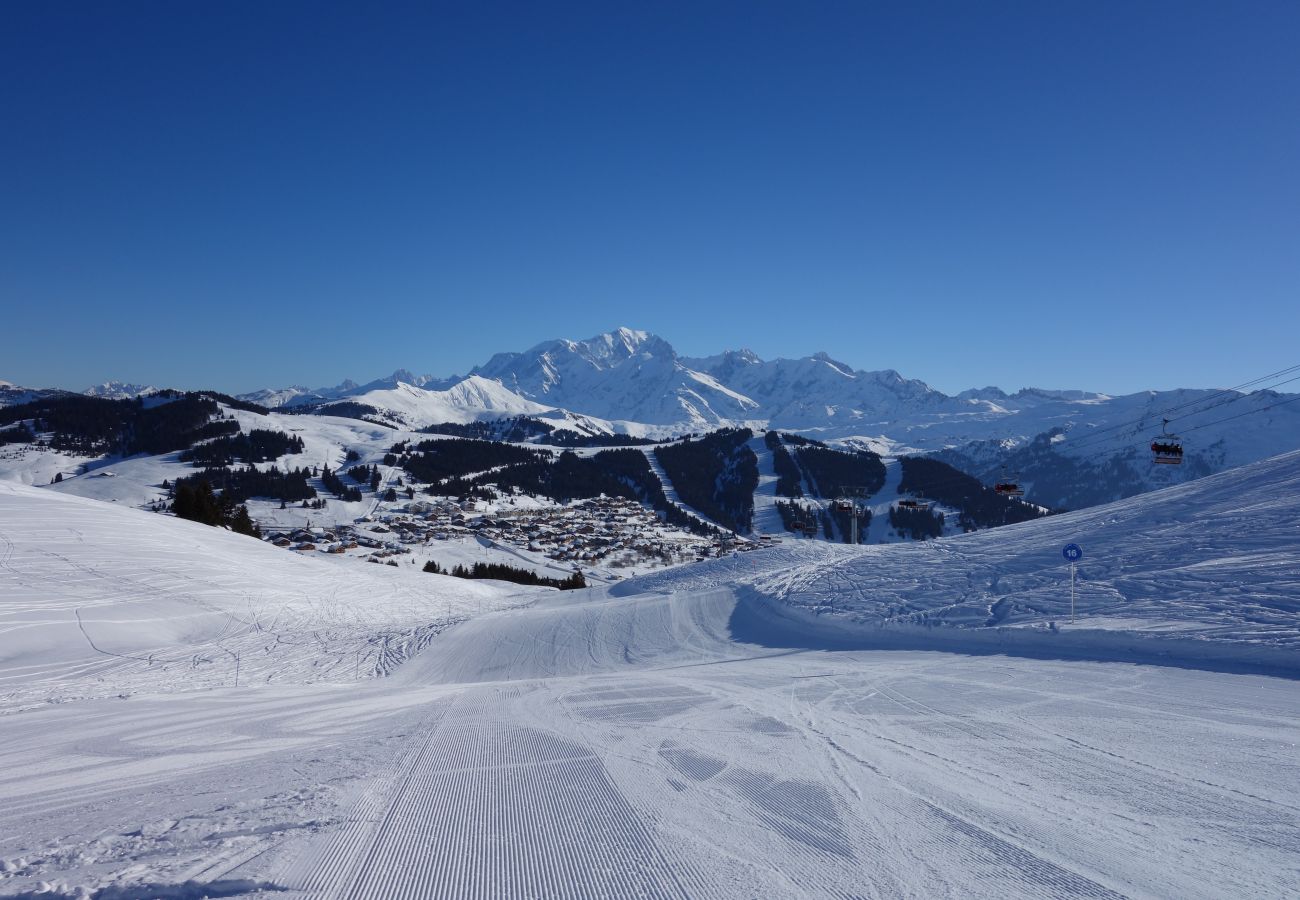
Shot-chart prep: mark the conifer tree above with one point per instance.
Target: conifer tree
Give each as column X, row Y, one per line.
column 242, row 523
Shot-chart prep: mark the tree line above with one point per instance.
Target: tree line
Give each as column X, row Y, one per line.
column 789, row 480
column 716, row 474
column 258, row 445
column 240, row 485
column 95, row 426
column 835, row 473
column 196, row 501
column 503, row 572
column 979, row 506
column 918, row 523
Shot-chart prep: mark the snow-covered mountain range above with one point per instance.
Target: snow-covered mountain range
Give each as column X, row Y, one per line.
column 120, row 390
column 1070, row 447
column 12, row 394
column 299, row 395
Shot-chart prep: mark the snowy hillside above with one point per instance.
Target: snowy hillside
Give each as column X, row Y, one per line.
column 299, row 395
column 1202, row 571
column 12, row 394
column 100, row 600
column 466, row 401
column 725, row 731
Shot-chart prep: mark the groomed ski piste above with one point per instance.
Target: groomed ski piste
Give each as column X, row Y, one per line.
column 806, row 720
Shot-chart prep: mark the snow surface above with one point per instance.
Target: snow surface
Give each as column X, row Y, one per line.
column 103, row 600
column 724, row 730
column 1156, row 580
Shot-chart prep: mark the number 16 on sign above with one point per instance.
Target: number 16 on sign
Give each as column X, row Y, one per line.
column 1074, row 553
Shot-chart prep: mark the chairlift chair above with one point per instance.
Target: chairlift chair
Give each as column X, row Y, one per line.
column 1167, row 449
column 1009, row 487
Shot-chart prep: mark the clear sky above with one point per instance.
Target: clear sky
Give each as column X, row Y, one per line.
column 238, row 195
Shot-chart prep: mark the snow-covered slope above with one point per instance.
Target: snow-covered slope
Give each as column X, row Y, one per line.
column 1197, row 572
column 478, row 399
column 719, row 733
column 299, row 395
column 12, row 394
column 468, row 400
column 102, row 599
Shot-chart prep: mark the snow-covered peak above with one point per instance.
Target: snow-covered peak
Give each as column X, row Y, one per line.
column 298, row 395
column 484, row 393
column 843, row 368
column 616, row 347
column 469, row 399
column 624, row 374
column 631, row 339
column 992, row 393
column 1032, row 393
column 120, row 390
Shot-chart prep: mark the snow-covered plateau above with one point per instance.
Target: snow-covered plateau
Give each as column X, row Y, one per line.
column 192, row 713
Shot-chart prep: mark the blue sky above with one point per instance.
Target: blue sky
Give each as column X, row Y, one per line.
column 236, row 195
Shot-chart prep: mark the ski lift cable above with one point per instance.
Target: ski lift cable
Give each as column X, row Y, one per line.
column 1235, row 393
column 1095, row 436
column 954, row 481
column 1092, row 438
column 1225, row 396
column 1232, row 399
column 1237, row 397
column 1137, row 424
column 1249, row 412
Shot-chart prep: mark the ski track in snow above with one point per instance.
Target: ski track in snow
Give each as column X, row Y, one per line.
column 883, row 499
column 670, row 492
column 767, row 520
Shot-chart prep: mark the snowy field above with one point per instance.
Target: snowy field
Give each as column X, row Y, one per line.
column 721, row 730
column 103, row 600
